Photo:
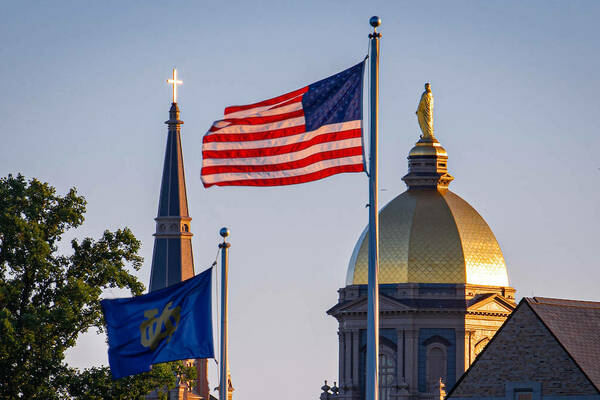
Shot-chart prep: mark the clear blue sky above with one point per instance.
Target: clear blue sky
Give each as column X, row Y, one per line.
column 83, row 99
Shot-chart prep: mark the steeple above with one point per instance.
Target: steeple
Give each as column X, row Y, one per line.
column 172, row 260
column 428, row 160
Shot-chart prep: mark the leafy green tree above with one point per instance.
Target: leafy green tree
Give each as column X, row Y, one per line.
column 97, row 384
column 47, row 299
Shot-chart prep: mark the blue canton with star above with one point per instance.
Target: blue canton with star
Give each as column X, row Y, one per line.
column 334, row 99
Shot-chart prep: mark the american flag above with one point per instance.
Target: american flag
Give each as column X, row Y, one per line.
column 301, row 136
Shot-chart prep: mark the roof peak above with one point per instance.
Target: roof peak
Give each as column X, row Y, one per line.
column 574, row 324
column 173, row 195
column 562, row 302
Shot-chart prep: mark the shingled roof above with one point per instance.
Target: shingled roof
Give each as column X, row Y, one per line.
column 576, row 325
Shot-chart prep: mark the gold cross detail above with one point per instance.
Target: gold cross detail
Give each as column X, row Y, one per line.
column 174, row 82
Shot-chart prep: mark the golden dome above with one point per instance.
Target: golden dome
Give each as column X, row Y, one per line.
column 431, row 236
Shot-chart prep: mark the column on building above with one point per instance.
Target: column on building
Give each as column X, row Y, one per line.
column 342, row 358
column 402, row 386
column 411, row 363
column 460, row 350
column 356, row 362
column 348, row 359
column 348, row 367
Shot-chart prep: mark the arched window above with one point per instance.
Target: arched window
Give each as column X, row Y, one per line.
column 436, row 365
column 387, row 372
column 387, row 368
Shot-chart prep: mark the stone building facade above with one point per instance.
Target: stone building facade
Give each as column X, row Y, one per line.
column 444, row 288
column 427, row 332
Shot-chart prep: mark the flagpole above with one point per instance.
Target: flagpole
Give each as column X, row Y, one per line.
column 223, row 379
column 372, row 389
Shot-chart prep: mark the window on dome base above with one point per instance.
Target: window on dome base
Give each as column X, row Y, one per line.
column 436, row 365
column 387, row 369
column 387, row 373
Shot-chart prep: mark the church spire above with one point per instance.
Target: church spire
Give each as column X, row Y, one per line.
column 172, row 259
column 428, row 160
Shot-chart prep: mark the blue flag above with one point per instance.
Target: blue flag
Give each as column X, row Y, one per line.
column 174, row 323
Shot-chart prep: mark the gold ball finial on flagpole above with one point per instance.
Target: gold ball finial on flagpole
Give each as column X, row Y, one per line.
column 375, row 21
column 224, row 232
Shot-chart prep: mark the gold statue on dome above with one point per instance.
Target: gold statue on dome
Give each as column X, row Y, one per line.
column 425, row 113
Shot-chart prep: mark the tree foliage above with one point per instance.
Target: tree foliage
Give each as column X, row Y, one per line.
column 97, row 384
column 48, row 298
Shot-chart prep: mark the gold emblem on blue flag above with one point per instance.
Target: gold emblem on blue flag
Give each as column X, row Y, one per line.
column 151, row 329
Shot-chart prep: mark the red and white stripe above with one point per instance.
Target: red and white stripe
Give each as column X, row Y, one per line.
column 266, row 144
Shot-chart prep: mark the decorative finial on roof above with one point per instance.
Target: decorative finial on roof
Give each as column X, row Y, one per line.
column 425, row 113
column 335, row 389
column 174, row 82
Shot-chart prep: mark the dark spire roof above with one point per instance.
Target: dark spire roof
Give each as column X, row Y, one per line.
column 172, row 259
column 173, row 197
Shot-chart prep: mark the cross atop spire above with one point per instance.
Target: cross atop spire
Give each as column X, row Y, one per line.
column 174, row 82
